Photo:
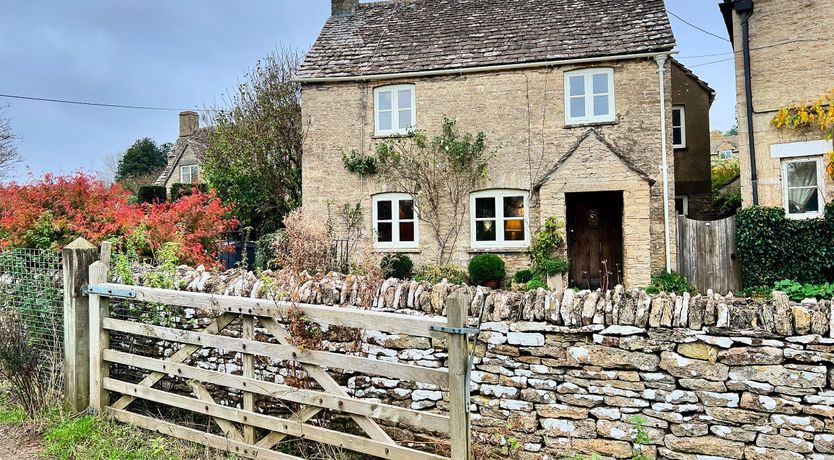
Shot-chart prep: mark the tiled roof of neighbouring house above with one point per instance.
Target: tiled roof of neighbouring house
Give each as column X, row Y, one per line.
column 416, row 35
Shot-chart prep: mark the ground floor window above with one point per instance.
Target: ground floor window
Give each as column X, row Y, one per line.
column 395, row 221
column 682, row 205
column 499, row 219
column 801, row 181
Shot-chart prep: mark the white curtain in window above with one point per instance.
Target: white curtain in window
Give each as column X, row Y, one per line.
column 802, row 187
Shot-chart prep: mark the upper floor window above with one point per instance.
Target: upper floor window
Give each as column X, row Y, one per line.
column 589, row 96
column 189, row 174
column 499, row 219
column 801, row 181
column 725, row 154
column 394, row 110
column 395, row 221
column 678, row 127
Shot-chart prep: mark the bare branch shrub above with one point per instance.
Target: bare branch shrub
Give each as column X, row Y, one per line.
column 25, row 367
column 306, row 244
column 9, row 156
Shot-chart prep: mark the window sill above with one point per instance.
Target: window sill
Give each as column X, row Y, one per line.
column 390, row 136
column 499, row 250
column 808, row 216
column 398, row 250
column 591, row 124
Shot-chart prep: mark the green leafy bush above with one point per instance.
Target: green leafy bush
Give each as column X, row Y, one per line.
column 547, row 240
column 672, row 282
column 437, row 273
column 798, row 291
column 360, row 164
column 265, row 250
column 151, row 194
column 535, row 283
column 771, row 247
column 486, row 267
column 180, row 190
column 523, row 276
column 554, row 266
column 397, row 266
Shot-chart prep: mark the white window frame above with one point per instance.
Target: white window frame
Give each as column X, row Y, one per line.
column 685, row 199
column 682, row 127
column 395, row 221
column 498, row 195
column 395, row 112
column 820, row 190
column 190, row 169
column 589, row 96
column 725, row 154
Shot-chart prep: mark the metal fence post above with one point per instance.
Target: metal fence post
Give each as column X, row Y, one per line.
column 77, row 258
column 456, row 311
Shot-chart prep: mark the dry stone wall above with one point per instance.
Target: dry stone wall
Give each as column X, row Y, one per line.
column 713, row 377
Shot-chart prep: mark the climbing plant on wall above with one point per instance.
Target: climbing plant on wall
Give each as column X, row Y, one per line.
column 818, row 114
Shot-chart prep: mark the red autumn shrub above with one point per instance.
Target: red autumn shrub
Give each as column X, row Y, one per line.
column 55, row 210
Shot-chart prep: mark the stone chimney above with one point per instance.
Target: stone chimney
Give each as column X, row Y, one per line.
column 189, row 122
column 343, row 7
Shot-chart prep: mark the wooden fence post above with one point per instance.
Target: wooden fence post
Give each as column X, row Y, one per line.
column 77, row 257
column 459, row 433
column 99, row 339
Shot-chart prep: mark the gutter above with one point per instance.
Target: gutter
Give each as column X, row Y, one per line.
column 492, row 68
column 745, row 9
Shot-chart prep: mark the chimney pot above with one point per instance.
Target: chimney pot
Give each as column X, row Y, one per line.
column 189, row 122
column 343, row 7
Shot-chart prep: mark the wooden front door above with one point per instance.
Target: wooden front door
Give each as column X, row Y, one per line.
column 595, row 239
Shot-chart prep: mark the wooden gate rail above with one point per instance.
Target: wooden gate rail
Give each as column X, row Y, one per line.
column 239, row 425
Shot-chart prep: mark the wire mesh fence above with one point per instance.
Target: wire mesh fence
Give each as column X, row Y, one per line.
column 31, row 289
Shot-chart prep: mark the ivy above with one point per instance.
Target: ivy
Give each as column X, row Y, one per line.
column 359, row 163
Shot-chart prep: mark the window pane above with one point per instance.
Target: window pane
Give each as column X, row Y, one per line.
column 485, row 230
column 514, row 230
column 577, row 85
column 802, row 174
column 406, row 209
column 385, row 233
column 676, row 117
column 601, row 105
column 384, row 100
column 404, row 99
column 577, row 107
column 405, row 119
column 195, row 173
column 802, row 200
column 484, row 207
column 601, row 83
column 385, row 120
column 513, row 206
column 677, row 138
column 406, row 231
column 383, row 210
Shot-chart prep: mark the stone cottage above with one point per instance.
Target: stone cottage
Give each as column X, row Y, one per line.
column 575, row 100
column 776, row 66
column 185, row 156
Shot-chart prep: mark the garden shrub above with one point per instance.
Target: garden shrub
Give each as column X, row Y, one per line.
column 772, row 248
column 307, row 245
column 434, row 274
column 671, row 282
column 798, row 291
column 523, row 276
column 265, row 250
column 24, row 367
column 151, row 194
column 180, row 190
column 555, row 266
column 547, row 240
column 535, row 283
column 486, row 267
column 397, row 266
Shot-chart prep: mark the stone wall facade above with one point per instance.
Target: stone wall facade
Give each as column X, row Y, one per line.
column 523, row 115
column 713, row 377
column 777, row 57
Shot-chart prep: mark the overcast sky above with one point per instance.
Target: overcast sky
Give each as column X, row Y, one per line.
column 188, row 53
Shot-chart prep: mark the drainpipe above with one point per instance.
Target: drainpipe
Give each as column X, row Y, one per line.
column 745, row 9
column 664, row 168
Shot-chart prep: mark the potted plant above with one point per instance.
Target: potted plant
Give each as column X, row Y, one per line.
column 554, row 269
column 487, row 270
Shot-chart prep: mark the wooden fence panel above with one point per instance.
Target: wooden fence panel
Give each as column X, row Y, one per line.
column 707, row 254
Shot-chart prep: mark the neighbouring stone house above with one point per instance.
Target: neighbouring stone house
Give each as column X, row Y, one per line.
column 568, row 94
column 185, row 156
column 783, row 68
column 723, row 147
column 691, row 101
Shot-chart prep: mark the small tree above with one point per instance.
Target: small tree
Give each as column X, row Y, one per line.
column 440, row 173
column 8, row 147
column 143, row 158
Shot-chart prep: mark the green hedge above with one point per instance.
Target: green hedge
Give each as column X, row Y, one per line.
column 151, row 194
column 180, row 190
column 771, row 247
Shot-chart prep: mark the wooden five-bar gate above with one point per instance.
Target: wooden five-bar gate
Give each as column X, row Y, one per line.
column 241, row 428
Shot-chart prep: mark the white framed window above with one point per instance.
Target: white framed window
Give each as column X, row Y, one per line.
column 802, row 183
column 189, row 174
column 499, row 219
column 589, row 96
column 395, row 110
column 682, row 205
column 395, row 221
column 678, row 127
column 725, row 154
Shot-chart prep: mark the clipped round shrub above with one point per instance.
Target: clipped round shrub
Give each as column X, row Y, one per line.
column 486, row 267
column 151, row 194
column 397, row 266
column 554, row 266
column 523, row 276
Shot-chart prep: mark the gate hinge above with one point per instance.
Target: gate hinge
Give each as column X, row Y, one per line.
column 109, row 292
column 455, row 330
